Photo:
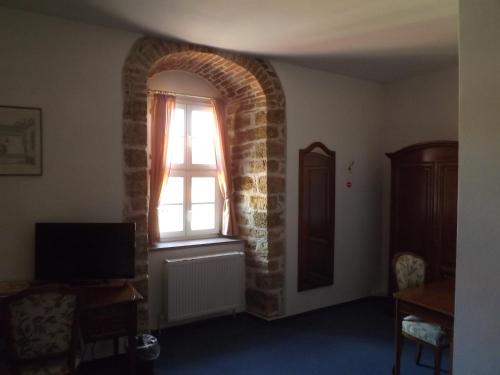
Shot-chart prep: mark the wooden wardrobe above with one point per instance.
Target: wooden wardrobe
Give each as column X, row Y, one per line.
column 424, row 179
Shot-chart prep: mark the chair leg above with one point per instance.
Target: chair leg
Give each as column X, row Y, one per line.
column 437, row 361
column 418, row 354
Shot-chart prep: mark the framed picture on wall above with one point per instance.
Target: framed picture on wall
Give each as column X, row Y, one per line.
column 20, row 141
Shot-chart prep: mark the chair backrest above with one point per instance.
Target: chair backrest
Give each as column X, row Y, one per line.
column 41, row 324
column 409, row 270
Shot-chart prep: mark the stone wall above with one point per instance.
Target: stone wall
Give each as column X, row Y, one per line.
column 255, row 119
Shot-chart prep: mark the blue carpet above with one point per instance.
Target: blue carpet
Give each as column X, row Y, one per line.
column 350, row 339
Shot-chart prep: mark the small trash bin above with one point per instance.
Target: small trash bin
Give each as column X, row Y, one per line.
column 148, row 350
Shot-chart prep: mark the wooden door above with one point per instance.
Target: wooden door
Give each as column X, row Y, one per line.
column 424, row 205
column 316, row 217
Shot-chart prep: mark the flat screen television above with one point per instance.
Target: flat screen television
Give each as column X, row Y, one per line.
column 84, row 251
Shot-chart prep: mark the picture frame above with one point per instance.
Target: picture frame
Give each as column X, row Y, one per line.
column 20, row 141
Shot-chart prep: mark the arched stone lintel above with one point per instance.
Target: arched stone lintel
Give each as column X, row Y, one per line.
column 255, row 118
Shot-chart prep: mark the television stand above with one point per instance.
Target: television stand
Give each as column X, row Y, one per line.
column 110, row 313
column 117, row 283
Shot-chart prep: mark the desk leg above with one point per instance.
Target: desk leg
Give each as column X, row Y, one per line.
column 397, row 340
column 450, row 353
column 132, row 354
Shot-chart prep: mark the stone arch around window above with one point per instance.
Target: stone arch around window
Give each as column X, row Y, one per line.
column 255, row 119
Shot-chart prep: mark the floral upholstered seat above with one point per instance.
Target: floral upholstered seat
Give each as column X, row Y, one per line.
column 430, row 333
column 409, row 270
column 41, row 326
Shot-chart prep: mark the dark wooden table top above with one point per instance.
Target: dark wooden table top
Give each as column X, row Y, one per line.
column 436, row 296
column 90, row 296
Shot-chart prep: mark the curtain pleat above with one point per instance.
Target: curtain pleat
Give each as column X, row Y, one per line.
column 162, row 109
column 229, row 226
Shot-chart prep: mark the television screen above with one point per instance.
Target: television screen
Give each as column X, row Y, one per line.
column 84, row 251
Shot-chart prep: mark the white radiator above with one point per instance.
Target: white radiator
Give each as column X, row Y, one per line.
column 203, row 285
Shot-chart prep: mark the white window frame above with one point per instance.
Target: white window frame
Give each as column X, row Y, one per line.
column 188, row 170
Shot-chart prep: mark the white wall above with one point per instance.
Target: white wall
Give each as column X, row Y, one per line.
column 73, row 72
column 477, row 301
column 344, row 114
column 419, row 109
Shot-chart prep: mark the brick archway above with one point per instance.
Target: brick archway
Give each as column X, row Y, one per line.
column 255, row 117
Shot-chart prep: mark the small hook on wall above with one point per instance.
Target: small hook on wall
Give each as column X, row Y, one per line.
column 350, row 166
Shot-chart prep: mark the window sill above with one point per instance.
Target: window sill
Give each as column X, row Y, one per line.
column 194, row 243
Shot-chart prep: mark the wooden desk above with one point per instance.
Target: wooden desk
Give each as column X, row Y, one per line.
column 434, row 303
column 106, row 312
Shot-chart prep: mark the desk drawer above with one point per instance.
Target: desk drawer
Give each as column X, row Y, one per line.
column 109, row 321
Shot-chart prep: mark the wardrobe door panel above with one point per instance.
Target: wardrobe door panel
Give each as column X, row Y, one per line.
column 413, row 208
column 446, row 218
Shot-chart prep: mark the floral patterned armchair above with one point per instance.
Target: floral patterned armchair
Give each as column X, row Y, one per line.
column 41, row 331
column 409, row 270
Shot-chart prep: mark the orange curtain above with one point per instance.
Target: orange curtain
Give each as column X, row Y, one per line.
column 229, row 227
column 162, row 110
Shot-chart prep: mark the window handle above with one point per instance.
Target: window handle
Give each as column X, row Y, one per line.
column 189, row 215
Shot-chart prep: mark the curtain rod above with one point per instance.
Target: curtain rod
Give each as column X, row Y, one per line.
column 151, row 92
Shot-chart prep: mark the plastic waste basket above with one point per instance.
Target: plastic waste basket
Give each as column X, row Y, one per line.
column 148, row 350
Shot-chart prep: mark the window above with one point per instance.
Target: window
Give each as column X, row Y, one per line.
column 190, row 204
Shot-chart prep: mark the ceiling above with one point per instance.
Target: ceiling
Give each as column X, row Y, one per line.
column 379, row 40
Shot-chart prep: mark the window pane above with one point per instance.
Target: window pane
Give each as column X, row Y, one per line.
column 176, row 150
column 203, row 189
column 173, row 192
column 202, row 216
column 202, row 124
column 177, row 126
column 203, row 151
column 171, row 218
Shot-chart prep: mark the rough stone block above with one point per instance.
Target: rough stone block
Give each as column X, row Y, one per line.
column 251, row 135
column 136, row 184
column 258, row 202
column 262, row 303
column 135, row 134
column 136, row 158
column 261, row 118
column 276, row 116
column 260, row 219
column 276, row 184
column 275, row 149
column 258, row 166
column 272, row 203
column 276, row 249
column 243, row 183
column 274, row 219
column 139, row 204
column 273, row 166
column 135, row 109
column 269, row 280
column 242, row 219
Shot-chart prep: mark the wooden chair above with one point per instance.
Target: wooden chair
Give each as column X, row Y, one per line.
column 40, row 327
column 409, row 270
